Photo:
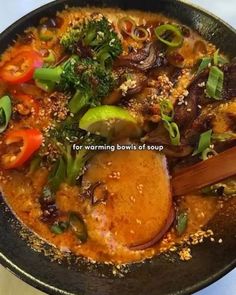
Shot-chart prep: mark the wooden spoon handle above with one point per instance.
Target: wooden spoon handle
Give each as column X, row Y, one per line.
column 204, row 173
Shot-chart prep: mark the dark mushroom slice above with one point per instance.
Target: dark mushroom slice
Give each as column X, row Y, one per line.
column 190, row 109
column 143, row 59
column 116, row 95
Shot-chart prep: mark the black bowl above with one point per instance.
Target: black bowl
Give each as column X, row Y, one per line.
column 161, row 275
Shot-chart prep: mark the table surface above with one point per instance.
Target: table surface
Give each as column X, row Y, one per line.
column 13, row 10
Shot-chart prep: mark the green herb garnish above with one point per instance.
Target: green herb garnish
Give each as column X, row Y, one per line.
column 5, row 112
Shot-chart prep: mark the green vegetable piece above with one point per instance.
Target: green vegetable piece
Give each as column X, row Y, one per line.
column 167, row 110
column 98, row 36
column 46, row 34
column 47, row 86
column 167, row 29
column 207, row 153
column 204, row 142
column 59, row 227
column 57, row 175
column 173, row 130
column 181, row 222
column 78, row 226
column 78, row 101
column 51, row 58
column 204, row 64
column 5, row 112
column 216, row 57
column 215, row 83
column 48, row 74
column 34, row 164
column 55, row 228
column 225, row 188
column 223, row 136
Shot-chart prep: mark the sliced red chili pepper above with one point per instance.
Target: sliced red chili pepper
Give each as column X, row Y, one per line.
column 21, row 68
column 29, row 103
column 32, row 140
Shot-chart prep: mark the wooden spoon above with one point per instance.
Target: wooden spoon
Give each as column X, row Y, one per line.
column 204, row 173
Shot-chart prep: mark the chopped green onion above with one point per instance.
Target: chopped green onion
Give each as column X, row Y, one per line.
column 222, row 60
column 126, row 24
column 204, row 142
column 47, row 86
column 5, row 112
column 173, row 130
column 167, row 110
column 140, row 34
column 45, row 34
column 223, row 136
column 162, row 30
column 215, row 83
column 53, row 75
column 51, row 58
column 216, row 57
column 207, row 153
column 181, row 222
column 204, row 64
column 219, row 59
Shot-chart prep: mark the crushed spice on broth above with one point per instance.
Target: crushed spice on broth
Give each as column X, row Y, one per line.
column 87, row 78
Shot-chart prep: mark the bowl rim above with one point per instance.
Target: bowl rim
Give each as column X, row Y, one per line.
column 44, row 287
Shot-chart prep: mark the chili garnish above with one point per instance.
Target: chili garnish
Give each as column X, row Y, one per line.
column 21, row 68
column 32, row 140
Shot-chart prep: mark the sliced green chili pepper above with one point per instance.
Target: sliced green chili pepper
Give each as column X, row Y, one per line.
column 178, row 38
column 78, row 227
column 5, row 112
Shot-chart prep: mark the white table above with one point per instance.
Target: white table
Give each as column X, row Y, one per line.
column 12, row 10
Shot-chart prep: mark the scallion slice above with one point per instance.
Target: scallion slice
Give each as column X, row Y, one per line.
column 5, row 112
column 181, row 222
column 204, row 64
column 177, row 39
column 207, row 153
column 173, row 130
column 167, row 110
column 215, row 83
column 204, row 142
column 126, row 24
column 140, row 34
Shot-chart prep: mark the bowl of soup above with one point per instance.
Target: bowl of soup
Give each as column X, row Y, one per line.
column 100, row 107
